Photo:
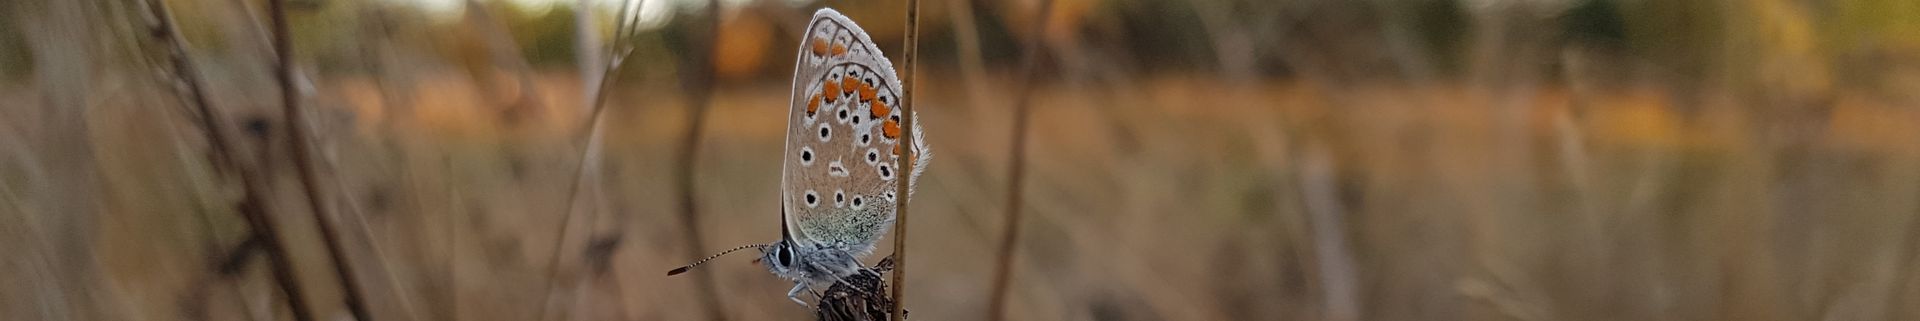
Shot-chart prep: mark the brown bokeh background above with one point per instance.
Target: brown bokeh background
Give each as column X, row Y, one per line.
column 1188, row 159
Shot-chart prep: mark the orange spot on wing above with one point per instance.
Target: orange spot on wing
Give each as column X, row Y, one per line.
column 851, row 84
column 892, row 130
column 839, row 49
column 831, row 90
column 867, row 93
column 813, row 104
column 819, row 46
column 880, row 109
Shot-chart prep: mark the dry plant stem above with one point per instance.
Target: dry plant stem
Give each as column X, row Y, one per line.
column 904, row 186
column 967, row 37
column 590, row 150
column 299, row 140
column 265, row 231
column 1326, row 216
column 699, row 81
column 449, row 306
column 588, row 159
column 379, row 257
column 1016, row 166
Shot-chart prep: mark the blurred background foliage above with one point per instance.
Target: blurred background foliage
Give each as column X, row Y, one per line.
column 1190, row 159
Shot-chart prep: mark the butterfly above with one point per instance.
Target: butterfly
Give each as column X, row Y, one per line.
column 842, row 158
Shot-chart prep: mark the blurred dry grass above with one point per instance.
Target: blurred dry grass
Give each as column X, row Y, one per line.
column 1163, row 195
column 1173, row 201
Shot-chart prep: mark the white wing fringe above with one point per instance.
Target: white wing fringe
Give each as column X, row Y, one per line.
column 924, row 153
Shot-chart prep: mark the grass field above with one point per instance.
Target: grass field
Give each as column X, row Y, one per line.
column 1178, row 198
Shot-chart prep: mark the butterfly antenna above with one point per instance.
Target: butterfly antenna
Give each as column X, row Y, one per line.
column 684, row 269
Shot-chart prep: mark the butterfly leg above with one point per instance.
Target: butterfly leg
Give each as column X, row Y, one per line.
column 794, row 294
column 841, row 280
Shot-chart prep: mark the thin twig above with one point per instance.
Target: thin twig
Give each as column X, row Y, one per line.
column 590, row 150
column 904, row 187
column 1339, row 274
column 353, row 210
column 698, row 77
column 1016, row 164
column 966, row 35
column 449, row 307
column 299, row 138
column 222, row 154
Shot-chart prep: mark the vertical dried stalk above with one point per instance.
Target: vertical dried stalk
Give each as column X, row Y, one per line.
column 904, row 187
column 586, row 48
column 57, row 35
column 966, row 35
column 590, row 151
column 699, row 80
column 214, row 126
column 300, row 140
column 449, row 306
column 1016, row 169
column 1338, row 272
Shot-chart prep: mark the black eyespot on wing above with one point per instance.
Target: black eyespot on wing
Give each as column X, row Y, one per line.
column 856, row 201
column 866, row 138
column 806, row 155
column 886, row 171
column 873, row 156
column 824, row 131
column 812, row 199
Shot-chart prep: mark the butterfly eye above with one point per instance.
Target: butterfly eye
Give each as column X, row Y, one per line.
column 786, row 256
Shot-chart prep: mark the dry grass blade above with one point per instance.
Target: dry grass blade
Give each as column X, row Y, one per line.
column 300, row 140
column 698, row 78
column 905, row 186
column 590, row 145
column 1016, row 166
column 213, row 125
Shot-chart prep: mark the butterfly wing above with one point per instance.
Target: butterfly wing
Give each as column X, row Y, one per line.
column 842, row 151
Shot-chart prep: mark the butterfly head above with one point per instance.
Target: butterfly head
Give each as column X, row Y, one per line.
column 781, row 258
